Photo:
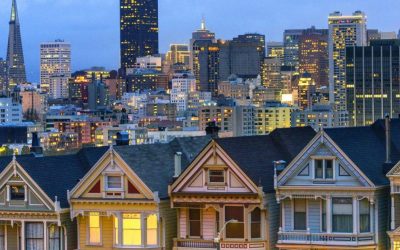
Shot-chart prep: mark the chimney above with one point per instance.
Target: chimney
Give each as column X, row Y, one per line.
column 122, row 139
column 212, row 129
column 178, row 164
column 36, row 149
column 388, row 138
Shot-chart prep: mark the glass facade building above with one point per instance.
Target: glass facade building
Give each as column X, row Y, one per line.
column 139, row 30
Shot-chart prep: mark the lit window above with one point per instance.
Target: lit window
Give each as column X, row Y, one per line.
column 132, row 230
column 114, row 182
column 152, row 229
column 116, row 231
column 94, row 229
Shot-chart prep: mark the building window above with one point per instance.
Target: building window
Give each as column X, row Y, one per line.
column 34, row 236
column 2, row 237
column 194, row 222
column 216, row 176
column 152, row 229
column 256, row 224
column 342, row 219
column 234, row 230
column 116, row 230
column 94, row 229
column 323, row 169
column 17, row 193
column 300, row 214
column 114, row 182
column 55, row 234
column 365, row 216
column 323, row 216
column 132, row 230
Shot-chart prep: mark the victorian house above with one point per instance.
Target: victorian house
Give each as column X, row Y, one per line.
column 225, row 198
column 122, row 201
column 335, row 193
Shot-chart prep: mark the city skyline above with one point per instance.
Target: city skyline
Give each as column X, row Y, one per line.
column 98, row 22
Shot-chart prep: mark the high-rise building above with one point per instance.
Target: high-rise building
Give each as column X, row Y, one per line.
column 3, row 75
column 313, row 55
column 178, row 53
column 271, row 116
column 276, row 50
column 291, row 47
column 272, row 73
column 34, row 104
column 344, row 31
column 58, row 86
column 15, row 55
column 182, row 85
column 319, row 116
column 55, row 59
column 139, row 30
column 306, row 91
column 372, row 81
column 10, row 111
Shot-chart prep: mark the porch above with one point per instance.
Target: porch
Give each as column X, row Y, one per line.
column 198, row 244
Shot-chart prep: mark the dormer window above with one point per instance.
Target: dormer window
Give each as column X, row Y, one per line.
column 323, row 168
column 17, row 193
column 216, row 177
column 113, row 182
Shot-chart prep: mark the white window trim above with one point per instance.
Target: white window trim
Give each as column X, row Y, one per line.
column 106, row 188
column 88, row 243
column 293, row 212
column 324, row 159
column 244, row 222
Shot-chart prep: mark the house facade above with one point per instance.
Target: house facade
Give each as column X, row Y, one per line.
column 334, row 194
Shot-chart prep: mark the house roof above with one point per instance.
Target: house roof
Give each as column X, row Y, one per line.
column 153, row 163
column 255, row 154
column 366, row 147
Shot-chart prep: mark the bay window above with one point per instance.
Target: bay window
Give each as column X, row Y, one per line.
column 194, row 222
column 365, row 219
column 300, row 214
column 342, row 215
column 34, row 236
column 55, row 237
column 323, row 169
column 131, row 230
column 94, row 229
column 256, row 223
column 234, row 230
column 152, row 236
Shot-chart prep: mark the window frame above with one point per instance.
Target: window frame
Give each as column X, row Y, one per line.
column 260, row 222
column 239, row 222
column 294, row 214
column 190, row 220
column 19, row 186
column 60, row 236
column 213, row 183
column 369, row 216
column 88, row 227
column 107, row 188
column 324, row 168
column 122, row 243
column 333, row 214
column 31, row 238
column 156, row 230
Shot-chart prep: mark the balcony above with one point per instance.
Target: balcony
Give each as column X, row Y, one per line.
column 334, row 239
column 199, row 244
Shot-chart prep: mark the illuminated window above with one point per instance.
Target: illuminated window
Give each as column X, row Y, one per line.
column 94, row 229
column 152, row 229
column 132, row 230
column 116, row 231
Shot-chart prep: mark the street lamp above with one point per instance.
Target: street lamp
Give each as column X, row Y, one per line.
column 218, row 239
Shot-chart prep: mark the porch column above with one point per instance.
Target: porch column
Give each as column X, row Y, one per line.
column 45, row 240
column 119, row 218
column 329, row 214
column 23, row 235
column 246, row 222
column 392, row 214
column 355, row 215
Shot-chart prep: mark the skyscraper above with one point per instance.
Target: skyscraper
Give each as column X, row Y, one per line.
column 3, row 75
column 55, row 60
column 344, row 31
column 139, row 30
column 15, row 55
column 291, row 47
column 372, row 81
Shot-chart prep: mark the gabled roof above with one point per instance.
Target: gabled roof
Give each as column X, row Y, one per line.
column 366, row 147
column 153, row 163
column 255, row 154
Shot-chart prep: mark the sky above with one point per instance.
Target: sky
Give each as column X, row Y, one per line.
column 92, row 26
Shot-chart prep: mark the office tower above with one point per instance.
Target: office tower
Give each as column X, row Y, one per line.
column 10, row 111
column 272, row 73
column 58, row 86
column 55, row 59
column 146, row 79
column 98, row 95
column 271, row 116
column 373, row 34
column 247, row 53
column 3, row 75
column 139, row 30
column 319, row 116
column 276, row 50
column 291, row 47
column 200, row 39
column 178, row 53
column 373, row 84
column 15, row 55
column 306, row 91
column 182, row 85
column 344, row 31
column 313, row 55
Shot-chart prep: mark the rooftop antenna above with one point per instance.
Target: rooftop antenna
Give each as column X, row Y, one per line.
column 203, row 23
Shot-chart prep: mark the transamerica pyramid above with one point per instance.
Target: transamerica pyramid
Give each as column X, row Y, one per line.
column 15, row 54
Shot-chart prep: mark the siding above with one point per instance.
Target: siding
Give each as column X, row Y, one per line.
column 287, row 205
column 71, row 231
column 209, row 223
column 272, row 220
column 383, row 204
column 168, row 224
column 183, row 223
column 397, row 210
column 314, row 216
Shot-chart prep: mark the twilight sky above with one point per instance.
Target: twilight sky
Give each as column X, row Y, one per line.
column 92, row 26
